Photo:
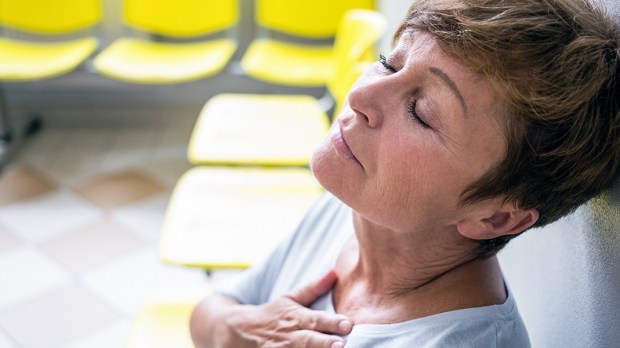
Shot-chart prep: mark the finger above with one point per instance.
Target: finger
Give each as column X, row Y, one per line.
column 325, row 322
column 313, row 339
column 309, row 293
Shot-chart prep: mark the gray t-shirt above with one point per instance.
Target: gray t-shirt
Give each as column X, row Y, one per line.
column 313, row 250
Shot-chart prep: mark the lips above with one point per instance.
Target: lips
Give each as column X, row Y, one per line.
column 341, row 145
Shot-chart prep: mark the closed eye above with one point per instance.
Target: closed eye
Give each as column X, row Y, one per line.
column 413, row 112
column 385, row 64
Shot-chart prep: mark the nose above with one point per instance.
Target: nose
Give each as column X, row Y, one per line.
column 367, row 97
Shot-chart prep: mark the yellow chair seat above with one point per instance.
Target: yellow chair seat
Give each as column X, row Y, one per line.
column 141, row 61
column 288, row 64
column 258, row 130
column 163, row 320
column 162, row 325
column 27, row 61
column 231, row 217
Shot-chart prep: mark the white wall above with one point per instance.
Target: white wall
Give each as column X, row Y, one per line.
column 394, row 11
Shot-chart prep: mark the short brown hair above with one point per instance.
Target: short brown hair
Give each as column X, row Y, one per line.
column 557, row 64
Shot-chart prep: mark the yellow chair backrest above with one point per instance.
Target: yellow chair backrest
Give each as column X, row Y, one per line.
column 50, row 17
column 353, row 73
column 306, row 18
column 357, row 36
column 181, row 18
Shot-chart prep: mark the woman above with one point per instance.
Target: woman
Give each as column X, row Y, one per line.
column 489, row 117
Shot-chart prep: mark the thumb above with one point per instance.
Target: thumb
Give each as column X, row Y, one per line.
column 309, row 293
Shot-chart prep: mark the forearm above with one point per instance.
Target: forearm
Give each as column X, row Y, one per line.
column 286, row 321
column 209, row 325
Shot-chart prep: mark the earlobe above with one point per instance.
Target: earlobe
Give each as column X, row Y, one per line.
column 501, row 223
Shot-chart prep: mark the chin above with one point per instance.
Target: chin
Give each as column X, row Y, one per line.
column 331, row 178
column 319, row 165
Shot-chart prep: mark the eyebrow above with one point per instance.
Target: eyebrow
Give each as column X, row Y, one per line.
column 450, row 84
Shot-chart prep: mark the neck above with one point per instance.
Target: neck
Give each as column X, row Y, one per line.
column 386, row 267
column 402, row 262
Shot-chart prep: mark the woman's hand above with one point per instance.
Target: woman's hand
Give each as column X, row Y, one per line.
column 288, row 322
column 284, row 322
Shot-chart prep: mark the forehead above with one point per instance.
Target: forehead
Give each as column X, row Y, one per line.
column 422, row 50
column 421, row 44
column 486, row 115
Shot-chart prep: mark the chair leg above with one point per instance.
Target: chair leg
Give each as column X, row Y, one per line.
column 6, row 133
column 10, row 137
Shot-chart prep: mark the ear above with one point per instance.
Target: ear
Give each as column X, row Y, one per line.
column 491, row 223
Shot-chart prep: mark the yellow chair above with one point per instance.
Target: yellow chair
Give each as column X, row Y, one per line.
column 296, row 64
column 36, row 59
column 22, row 60
column 214, row 213
column 163, row 320
column 229, row 217
column 162, row 325
column 180, row 56
column 252, row 129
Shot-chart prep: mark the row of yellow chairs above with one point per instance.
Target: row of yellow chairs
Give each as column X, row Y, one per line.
column 182, row 45
column 243, row 196
column 244, row 147
column 180, row 53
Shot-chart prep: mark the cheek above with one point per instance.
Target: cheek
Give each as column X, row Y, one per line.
column 421, row 174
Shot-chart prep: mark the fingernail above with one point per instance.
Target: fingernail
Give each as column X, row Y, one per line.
column 337, row 344
column 345, row 325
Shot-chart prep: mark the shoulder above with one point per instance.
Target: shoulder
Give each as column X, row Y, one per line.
column 327, row 215
column 326, row 209
column 294, row 262
column 315, row 245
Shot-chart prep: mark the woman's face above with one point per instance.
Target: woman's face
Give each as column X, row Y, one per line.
column 418, row 129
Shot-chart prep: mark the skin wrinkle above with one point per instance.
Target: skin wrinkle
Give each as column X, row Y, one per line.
column 438, row 123
column 546, row 68
column 400, row 51
column 450, row 84
column 408, row 191
column 398, row 54
column 423, row 265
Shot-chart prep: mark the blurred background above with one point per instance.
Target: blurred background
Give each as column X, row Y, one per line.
column 101, row 197
column 150, row 149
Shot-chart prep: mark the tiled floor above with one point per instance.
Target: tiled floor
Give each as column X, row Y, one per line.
column 80, row 211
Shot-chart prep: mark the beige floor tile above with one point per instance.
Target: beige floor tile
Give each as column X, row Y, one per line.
column 126, row 282
column 134, row 145
column 117, row 189
column 26, row 274
column 169, row 170
column 20, row 183
column 126, row 161
column 144, row 218
column 111, row 335
column 56, row 318
column 91, row 245
column 42, row 150
column 80, row 160
column 48, row 215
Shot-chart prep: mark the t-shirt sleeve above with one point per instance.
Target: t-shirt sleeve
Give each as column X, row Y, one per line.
column 254, row 286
